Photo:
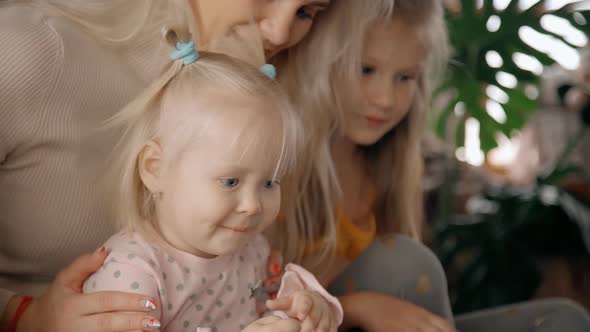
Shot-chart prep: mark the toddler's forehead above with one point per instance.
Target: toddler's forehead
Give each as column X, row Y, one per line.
column 245, row 149
column 239, row 125
column 211, row 107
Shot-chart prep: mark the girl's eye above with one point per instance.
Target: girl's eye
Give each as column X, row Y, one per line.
column 406, row 78
column 229, row 182
column 368, row 70
column 269, row 184
column 305, row 13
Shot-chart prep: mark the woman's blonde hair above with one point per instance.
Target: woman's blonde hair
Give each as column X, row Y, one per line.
column 130, row 28
column 314, row 73
column 146, row 119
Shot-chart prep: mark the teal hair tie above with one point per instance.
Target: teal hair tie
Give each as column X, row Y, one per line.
column 186, row 52
column 268, row 70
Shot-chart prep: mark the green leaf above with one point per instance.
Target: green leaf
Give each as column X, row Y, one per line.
column 469, row 72
column 520, row 101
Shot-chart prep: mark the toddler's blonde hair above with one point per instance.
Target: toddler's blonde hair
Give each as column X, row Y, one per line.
column 142, row 119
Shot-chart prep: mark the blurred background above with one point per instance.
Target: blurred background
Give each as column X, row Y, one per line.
column 508, row 157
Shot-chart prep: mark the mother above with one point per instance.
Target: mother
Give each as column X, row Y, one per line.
column 65, row 67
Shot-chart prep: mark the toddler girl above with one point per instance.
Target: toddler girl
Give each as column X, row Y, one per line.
column 198, row 169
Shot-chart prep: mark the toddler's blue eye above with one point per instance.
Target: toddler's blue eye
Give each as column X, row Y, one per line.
column 230, row 182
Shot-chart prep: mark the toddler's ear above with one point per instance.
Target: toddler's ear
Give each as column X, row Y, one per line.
column 149, row 163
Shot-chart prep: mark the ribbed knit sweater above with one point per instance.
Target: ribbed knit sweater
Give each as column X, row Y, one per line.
column 57, row 84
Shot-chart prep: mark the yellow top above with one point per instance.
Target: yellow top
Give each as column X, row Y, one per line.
column 352, row 240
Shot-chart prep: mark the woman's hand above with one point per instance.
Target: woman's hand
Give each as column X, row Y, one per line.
column 273, row 324
column 63, row 307
column 376, row 312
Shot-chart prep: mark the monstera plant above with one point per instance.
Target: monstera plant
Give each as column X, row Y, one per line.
column 492, row 253
column 477, row 28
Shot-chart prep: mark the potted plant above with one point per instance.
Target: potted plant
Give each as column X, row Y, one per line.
column 494, row 250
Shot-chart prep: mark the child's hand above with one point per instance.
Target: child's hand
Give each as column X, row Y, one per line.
column 310, row 308
column 273, row 324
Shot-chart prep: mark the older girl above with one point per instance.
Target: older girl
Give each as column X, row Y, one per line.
column 364, row 103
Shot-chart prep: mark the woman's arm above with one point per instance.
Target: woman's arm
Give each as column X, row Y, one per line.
column 351, row 313
column 376, row 312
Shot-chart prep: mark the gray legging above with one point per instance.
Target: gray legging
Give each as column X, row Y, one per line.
column 416, row 275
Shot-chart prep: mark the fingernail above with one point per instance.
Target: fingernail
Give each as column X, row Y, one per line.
column 150, row 323
column 148, row 304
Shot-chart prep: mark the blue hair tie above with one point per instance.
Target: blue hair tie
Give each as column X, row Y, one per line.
column 186, row 52
column 268, row 70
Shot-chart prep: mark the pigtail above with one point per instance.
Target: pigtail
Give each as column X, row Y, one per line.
column 137, row 123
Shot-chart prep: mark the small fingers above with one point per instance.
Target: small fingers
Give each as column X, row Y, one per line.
column 307, row 325
column 302, row 305
column 317, row 314
column 268, row 320
column 333, row 327
column 287, row 325
column 324, row 323
column 281, row 303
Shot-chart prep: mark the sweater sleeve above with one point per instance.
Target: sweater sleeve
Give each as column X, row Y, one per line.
column 30, row 54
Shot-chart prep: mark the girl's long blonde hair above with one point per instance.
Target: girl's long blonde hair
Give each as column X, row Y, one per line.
column 142, row 119
column 314, row 73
